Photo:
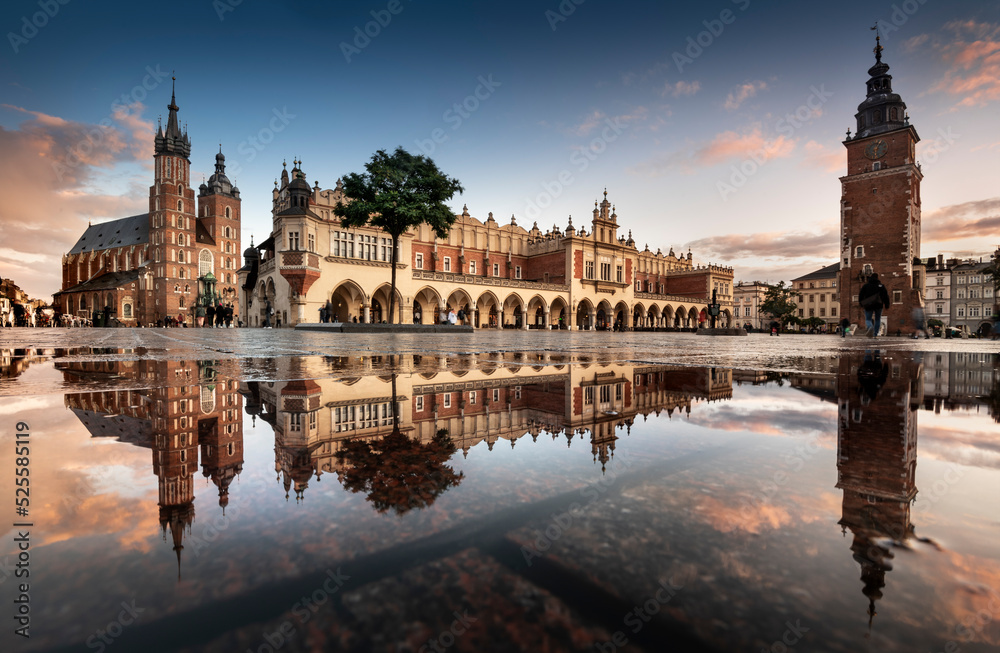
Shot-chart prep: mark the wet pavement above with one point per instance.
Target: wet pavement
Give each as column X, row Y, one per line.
column 234, row 490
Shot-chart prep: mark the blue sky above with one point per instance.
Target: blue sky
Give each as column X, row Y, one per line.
column 535, row 107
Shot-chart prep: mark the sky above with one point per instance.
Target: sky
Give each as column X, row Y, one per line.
column 714, row 126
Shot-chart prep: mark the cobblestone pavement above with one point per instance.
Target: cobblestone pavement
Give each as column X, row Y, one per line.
column 756, row 351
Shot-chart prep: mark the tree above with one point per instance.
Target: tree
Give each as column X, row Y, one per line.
column 813, row 322
column 778, row 303
column 398, row 192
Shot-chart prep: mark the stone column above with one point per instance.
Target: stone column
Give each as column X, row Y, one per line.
column 593, row 320
column 548, row 318
column 524, row 319
column 366, row 313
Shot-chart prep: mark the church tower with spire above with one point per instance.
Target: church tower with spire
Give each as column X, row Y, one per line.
column 880, row 204
column 218, row 229
column 172, row 224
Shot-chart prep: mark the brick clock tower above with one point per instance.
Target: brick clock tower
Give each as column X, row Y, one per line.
column 880, row 205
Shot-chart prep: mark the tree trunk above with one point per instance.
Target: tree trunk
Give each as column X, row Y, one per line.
column 392, row 290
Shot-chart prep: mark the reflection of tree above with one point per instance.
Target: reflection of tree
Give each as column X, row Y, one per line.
column 398, row 472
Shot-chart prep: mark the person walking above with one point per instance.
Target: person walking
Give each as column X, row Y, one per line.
column 845, row 324
column 873, row 298
column 210, row 315
column 919, row 324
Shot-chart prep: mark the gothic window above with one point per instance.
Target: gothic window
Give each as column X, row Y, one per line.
column 180, row 205
column 229, row 214
column 127, row 311
column 180, row 189
column 204, row 263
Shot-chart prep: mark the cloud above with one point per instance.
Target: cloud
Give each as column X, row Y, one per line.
column 53, row 163
column 818, row 156
column 726, row 146
column 967, row 220
column 681, row 88
column 743, row 92
column 973, row 55
column 593, row 120
column 771, row 245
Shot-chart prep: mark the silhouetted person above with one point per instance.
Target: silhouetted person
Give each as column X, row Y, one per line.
column 873, row 298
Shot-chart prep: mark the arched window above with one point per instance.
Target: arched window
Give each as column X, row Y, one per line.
column 180, row 205
column 127, row 311
column 181, row 304
column 205, row 263
column 182, row 273
column 180, row 189
column 229, row 247
column 229, row 214
column 180, row 256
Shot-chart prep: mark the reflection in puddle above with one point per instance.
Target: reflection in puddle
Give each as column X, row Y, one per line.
column 388, row 431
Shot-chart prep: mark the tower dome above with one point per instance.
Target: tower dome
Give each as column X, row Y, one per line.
column 882, row 110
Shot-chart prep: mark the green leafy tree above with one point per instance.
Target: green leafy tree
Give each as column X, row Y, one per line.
column 398, row 191
column 780, row 304
column 813, row 322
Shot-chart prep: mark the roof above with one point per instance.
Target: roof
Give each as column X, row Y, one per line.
column 828, row 272
column 133, row 230
column 106, row 281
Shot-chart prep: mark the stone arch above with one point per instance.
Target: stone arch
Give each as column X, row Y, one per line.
column 379, row 306
column 537, row 306
column 584, row 321
column 559, row 314
column 692, row 317
column 513, row 307
column 487, row 311
column 638, row 320
column 460, row 300
column 605, row 317
column 426, row 304
column 621, row 315
column 347, row 301
column 653, row 317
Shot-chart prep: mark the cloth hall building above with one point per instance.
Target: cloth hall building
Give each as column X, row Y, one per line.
column 491, row 275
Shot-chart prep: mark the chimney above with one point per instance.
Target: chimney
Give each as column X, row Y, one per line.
column 940, row 260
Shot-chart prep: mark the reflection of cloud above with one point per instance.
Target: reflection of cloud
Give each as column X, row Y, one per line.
column 966, row 220
column 747, row 516
column 742, row 93
column 77, row 505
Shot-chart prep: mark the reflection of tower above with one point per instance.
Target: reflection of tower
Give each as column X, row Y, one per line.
column 877, row 459
column 193, row 408
column 175, row 454
column 293, row 430
column 220, row 433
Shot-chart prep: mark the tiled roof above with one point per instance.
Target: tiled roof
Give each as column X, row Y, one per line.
column 822, row 273
column 133, row 230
